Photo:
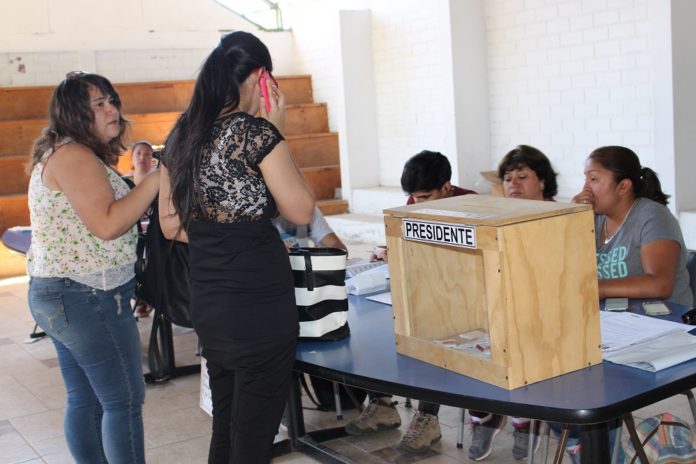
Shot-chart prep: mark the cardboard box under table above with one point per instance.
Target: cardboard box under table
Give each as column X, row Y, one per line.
column 521, row 272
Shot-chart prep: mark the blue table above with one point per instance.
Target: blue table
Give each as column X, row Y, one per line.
column 17, row 239
column 590, row 397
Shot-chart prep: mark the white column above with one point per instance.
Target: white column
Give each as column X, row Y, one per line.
column 358, row 120
column 470, row 90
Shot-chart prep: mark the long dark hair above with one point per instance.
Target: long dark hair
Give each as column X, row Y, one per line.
column 70, row 115
column 216, row 89
column 624, row 164
column 526, row 156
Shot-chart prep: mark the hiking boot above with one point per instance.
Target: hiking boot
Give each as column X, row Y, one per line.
column 520, row 434
column 423, row 432
column 482, row 435
column 377, row 416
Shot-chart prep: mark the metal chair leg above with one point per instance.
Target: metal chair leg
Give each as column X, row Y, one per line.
column 544, row 431
column 637, row 445
column 460, row 434
column 617, row 444
column 35, row 335
column 530, row 446
column 337, row 401
column 558, row 457
column 692, row 403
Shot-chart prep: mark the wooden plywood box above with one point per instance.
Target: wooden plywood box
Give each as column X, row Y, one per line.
column 522, row 271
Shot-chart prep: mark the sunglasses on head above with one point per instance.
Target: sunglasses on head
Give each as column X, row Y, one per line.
column 75, row 74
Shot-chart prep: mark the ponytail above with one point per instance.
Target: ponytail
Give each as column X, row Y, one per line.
column 650, row 187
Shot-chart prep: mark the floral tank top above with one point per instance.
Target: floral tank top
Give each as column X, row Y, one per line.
column 61, row 245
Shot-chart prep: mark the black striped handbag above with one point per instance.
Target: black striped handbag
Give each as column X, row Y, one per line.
column 320, row 292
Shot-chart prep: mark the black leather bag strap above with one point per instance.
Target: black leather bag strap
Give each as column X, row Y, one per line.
column 309, row 275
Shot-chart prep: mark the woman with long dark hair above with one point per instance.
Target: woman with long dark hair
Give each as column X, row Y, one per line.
column 226, row 174
column 81, row 259
column 640, row 248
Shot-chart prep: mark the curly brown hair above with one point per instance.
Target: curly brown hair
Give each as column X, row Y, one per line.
column 70, row 115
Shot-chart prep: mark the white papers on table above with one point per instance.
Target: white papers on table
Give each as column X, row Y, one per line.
column 621, row 330
column 374, row 279
column 645, row 342
column 655, row 355
column 384, row 298
column 356, row 266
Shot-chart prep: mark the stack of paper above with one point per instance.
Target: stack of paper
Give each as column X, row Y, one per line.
column 645, row 342
column 369, row 280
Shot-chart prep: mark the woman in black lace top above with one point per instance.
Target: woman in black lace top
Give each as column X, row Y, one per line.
column 226, row 173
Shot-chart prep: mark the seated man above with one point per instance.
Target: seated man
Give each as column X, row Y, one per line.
column 426, row 176
column 318, row 231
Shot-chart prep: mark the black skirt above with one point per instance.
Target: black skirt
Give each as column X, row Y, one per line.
column 241, row 283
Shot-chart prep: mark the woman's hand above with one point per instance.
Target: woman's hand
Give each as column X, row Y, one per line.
column 277, row 100
column 379, row 253
column 585, row 197
column 76, row 171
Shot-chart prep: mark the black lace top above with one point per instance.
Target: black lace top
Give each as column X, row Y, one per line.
column 231, row 186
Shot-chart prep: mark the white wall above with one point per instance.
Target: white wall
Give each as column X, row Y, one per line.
column 470, row 89
column 129, row 40
column 568, row 76
column 475, row 78
column 358, row 121
column 684, row 61
column 412, row 77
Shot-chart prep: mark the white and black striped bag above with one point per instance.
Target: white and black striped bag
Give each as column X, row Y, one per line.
column 320, row 292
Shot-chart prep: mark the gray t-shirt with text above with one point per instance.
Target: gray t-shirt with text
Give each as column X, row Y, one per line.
column 647, row 221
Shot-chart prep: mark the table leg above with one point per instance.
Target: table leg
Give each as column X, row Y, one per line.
column 295, row 416
column 160, row 357
column 594, row 439
column 301, row 441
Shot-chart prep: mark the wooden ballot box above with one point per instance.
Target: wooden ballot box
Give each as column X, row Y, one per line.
column 501, row 290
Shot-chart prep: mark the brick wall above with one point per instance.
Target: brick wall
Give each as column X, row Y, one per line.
column 411, row 66
column 568, row 76
column 412, row 62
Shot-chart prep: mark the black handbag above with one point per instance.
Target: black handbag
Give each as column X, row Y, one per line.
column 320, row 292
column 162, row 273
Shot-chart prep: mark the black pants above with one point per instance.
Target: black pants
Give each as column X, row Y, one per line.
column 249, row 386
column 426, row 407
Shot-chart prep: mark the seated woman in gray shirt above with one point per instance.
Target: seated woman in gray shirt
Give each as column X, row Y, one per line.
column 640, row 248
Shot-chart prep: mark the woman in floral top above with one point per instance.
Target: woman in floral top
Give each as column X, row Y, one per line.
column 81, row 260
column 229, row 172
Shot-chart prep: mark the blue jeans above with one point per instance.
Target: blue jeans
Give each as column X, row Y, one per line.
column 98, row 348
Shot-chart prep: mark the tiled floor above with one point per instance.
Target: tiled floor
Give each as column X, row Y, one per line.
column 32, row 400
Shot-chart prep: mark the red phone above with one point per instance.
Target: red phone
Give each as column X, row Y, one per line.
column 265, row 75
